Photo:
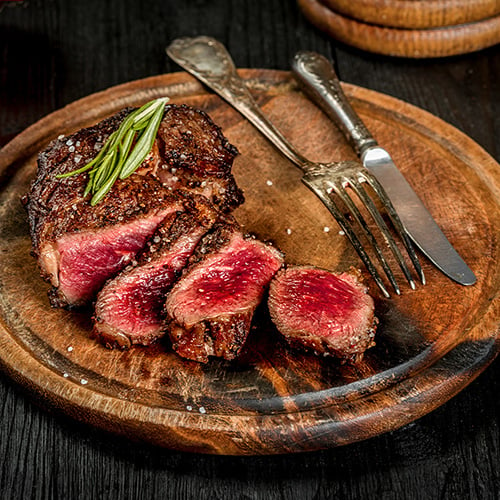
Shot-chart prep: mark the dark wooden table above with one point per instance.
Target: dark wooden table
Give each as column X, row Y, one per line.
column 53, row 52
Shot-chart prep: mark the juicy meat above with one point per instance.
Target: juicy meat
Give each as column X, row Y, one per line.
column 78, row 246
column 82, row 246
column 323, row 312
column 210, row 308
column 129, row 309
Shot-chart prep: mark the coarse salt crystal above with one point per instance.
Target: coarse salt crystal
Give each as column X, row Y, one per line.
column 83, row 381
column 65, row 375
column 69, row 142
column 341, row 233
column 70, row 348
column 269, row 183
column 71, row 149
column 189, row 407
column 326, row 229
column 202, row 410
column 78, row 158
column 288, row 231
column 61, row 137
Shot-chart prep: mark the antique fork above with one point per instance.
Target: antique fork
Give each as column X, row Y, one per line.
column 208, row 60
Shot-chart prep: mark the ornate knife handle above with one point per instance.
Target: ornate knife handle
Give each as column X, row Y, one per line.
column 319, row 80
column 208, row 60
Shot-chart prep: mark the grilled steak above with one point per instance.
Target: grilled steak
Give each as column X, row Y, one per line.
column 323, row 312
column 129, row 307
column 79, row 246
column 210, row 308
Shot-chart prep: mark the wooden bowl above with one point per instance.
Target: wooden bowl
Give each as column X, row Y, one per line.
column 416, row 43
column 415, row 14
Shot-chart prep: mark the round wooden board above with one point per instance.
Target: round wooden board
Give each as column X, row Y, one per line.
column 416, row 14
column 431, row 342
column 415, row 43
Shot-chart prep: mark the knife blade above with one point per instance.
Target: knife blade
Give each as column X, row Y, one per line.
column 319, row 80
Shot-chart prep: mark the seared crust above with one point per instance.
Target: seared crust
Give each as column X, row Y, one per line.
column 190, row 140
column 196, row 155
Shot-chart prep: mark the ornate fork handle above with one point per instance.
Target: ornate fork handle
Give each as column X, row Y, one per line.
column 209, row 61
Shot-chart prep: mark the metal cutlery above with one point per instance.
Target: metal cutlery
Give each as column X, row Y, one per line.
column 208, row 60
column 319, row 80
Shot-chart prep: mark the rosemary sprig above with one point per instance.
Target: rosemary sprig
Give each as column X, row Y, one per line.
column 124, row 150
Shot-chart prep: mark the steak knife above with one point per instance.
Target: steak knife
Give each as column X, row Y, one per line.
column 319, row 80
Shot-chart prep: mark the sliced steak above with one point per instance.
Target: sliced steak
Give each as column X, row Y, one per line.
column 79, row 246
column 210, row 309
column 322, row 312
column 129, row 309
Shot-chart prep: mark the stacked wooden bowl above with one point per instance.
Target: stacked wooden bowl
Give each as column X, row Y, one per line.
column 409, row 28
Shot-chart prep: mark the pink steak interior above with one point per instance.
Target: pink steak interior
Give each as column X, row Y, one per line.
column 317, row 300
column 133, row 302
column 88, row 260
column 228, row 282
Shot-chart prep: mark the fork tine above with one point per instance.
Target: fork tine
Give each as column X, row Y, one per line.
column 321, row 190
column 341, row 192
column 395, row 220
column 357, row 187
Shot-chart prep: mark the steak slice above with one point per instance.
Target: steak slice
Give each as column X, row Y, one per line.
column 210, row 308
column 320, row 311
column 79, row 246
column 129, row 309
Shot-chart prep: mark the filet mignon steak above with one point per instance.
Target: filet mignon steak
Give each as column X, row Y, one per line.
column 323, row 312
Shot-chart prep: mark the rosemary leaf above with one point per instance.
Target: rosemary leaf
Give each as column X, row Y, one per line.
column 124, row 150
column 101, row 171
column 104, row 189
column 143, row 145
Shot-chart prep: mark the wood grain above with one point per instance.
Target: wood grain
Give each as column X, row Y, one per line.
column 431, row 343
column 416, row 14
column 415, row 43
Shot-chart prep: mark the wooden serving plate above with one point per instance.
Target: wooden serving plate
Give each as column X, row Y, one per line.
column 431, row 342
column 416, row 43
column 416, row 14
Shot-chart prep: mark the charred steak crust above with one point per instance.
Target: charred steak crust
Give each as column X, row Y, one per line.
column 322, row 312
column 191, row 140
column 49, row 194
column 222, row 338
column 129, row 308
column 210, row 309
column 196, row 155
